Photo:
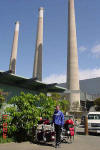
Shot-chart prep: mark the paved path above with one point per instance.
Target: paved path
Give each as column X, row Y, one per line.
column 81, row 142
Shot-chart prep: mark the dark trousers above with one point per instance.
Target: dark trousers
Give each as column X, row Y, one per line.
column 58, row 133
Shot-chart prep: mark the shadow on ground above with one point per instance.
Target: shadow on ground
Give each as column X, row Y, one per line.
column 45, row 144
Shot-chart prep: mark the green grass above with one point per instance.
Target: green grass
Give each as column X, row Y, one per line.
column 7, row 140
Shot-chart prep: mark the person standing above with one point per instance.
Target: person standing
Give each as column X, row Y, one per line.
column 58, row 120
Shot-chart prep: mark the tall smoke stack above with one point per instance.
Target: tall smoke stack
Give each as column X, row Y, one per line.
column 72, row 59
column 37, row 71
column 12, row 65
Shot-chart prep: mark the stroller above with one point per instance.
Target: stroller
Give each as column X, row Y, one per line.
column 67, row 134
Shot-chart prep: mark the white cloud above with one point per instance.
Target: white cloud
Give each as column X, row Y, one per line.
column 55, row 78
column 83, row 74
column 96, row 50
column 89, row 73
column 82, row 48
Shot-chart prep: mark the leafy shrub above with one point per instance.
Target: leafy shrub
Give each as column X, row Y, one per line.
column 25, row 113
column 97, row 101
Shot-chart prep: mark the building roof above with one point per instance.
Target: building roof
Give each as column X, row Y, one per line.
column 28, row 83
column 89, row 86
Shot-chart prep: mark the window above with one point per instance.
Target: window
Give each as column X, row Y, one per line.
column 94, row 116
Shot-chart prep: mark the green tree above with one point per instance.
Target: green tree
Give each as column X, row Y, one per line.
column 64, row 105
column 62, row 101
column 97, row 102
column 56, row 96
column 2, row 98
column 46, row 105
column 25, row 113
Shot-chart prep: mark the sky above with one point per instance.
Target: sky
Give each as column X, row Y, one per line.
column 87, row 14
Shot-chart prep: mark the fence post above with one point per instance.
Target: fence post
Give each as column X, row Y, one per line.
column 86, row 125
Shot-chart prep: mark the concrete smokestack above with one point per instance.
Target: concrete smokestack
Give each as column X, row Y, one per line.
column 72, row 58
column 37, row 71
column 12, row 65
